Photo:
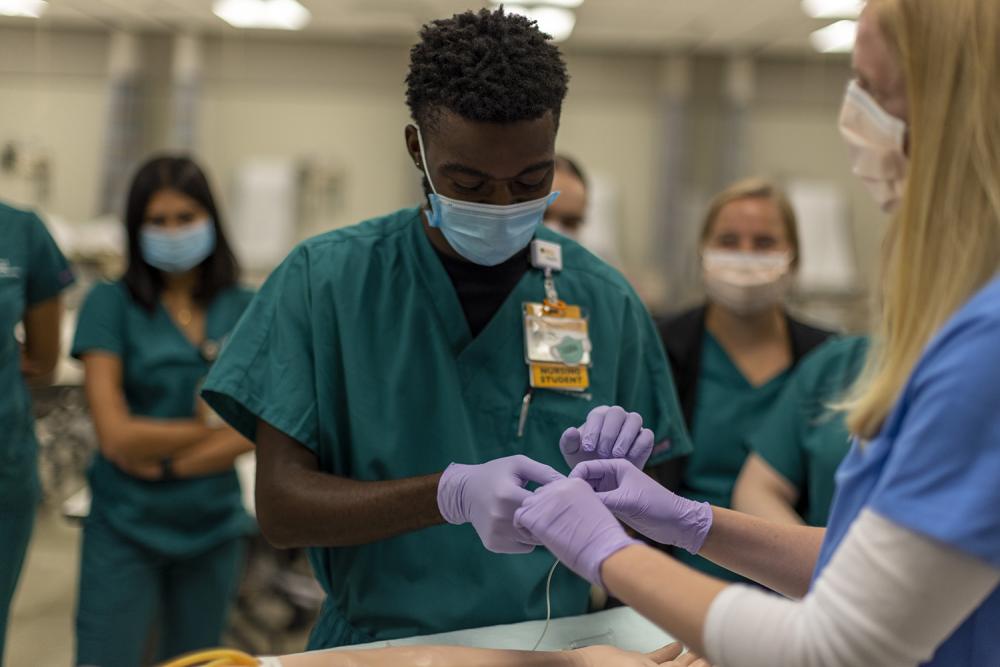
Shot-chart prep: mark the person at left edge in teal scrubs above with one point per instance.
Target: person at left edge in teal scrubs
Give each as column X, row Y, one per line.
column 379, row 355
column 33, row 274
column 732, row 357
column 163, row 544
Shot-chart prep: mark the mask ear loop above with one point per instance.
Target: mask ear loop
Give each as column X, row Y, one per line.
column 423, row 158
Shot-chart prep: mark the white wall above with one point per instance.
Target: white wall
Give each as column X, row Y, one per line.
column 52, row 93
column 794, row 135
column 340, row 103
column 344, row 102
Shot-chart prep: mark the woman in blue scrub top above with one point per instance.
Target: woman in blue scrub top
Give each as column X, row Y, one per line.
column 908, row 570
column 163, row 544
column 33, row 273
column 732, row 357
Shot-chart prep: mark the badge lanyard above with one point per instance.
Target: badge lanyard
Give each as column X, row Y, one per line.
column 557, row 346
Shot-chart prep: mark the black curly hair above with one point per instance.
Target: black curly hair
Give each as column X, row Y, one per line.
column 485, row 66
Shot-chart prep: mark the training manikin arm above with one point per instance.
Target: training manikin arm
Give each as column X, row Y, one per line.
column 457, row 656
column 451, row 656
column 298, row 505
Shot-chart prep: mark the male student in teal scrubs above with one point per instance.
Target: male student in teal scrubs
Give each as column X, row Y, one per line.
column 377, row 356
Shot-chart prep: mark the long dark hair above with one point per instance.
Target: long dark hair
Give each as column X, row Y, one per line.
column 216, row 273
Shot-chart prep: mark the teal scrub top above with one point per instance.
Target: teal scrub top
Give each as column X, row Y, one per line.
column 802, row 439
column 358, row 348
column 161, row 374
column 728, row 408
column 32, row 270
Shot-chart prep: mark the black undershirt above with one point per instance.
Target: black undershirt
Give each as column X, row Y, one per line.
column 483, row 289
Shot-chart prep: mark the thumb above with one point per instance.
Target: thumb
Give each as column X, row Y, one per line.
column 522, row 519
column 608, row 472
column 667, row 653
column 523, row 534
column 532, row 471
column 570, row 441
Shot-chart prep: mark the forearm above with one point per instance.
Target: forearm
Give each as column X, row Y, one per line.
column 766, row 505
column 763, row 491
column 140, row 440
column 888, row 597
column 431, row 656
column 668, row 593
column 312, row 508
column 37, row 380
column 779, row 556
column 213, row 455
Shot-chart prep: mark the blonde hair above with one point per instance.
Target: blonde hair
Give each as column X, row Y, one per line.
column 755, row 188
column 943, row 245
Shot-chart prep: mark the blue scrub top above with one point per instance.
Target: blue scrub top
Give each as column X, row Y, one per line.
column 935, row 466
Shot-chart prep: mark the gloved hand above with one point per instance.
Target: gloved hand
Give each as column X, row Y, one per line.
column 569, row 519
column 608, row 433
column 487, row 495
column 642, row 503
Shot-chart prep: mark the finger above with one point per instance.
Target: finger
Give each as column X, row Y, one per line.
column 667, row 653
column 691, row 660
column 518, row 497
column 613, row 422
column 509, row 547
column 523, row 520
column 631, row 429
column 641, row 449
column 525, row 537
column 602, row 472
column 539, row 473
column 591, row 431
column 571, row 441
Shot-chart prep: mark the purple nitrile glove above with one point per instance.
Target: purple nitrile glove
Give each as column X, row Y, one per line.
column 569, row 519
column 488, row 494
column 608, row 433
column 642, row 503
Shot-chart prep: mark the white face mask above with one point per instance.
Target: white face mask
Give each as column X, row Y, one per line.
column 877, row 140
column 746, row 282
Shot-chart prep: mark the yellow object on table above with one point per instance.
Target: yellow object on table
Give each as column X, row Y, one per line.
column 215, row 658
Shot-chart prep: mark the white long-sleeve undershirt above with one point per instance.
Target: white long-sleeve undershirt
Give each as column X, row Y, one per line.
column 889, row 597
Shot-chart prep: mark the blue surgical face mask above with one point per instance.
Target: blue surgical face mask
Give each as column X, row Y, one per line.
column 177, row 251
column 485, row 234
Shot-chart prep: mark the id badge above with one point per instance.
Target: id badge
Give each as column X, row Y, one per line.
column 557, row 346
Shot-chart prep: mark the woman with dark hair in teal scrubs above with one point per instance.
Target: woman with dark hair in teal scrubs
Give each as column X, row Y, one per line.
column 33, row 273
column 164, row 540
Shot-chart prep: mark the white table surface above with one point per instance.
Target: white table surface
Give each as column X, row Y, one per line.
column 621, row 627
